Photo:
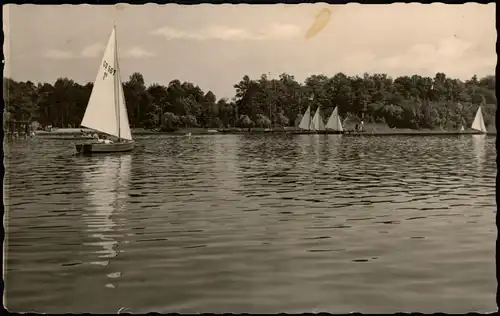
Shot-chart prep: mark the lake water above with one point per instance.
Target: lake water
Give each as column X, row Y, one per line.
column 228, row 223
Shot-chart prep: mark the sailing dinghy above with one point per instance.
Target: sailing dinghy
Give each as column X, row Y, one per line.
column 106, row 111
column 317, row 123
column 314, row 124
column 305, row 123
column 478, row 123
column 334, row 122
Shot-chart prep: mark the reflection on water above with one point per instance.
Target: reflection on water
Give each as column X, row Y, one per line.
column 479, row 142
column 260, row 224
column 224, row 158
column 105, row 181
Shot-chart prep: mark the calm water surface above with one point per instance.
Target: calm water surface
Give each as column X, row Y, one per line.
column 253, row 224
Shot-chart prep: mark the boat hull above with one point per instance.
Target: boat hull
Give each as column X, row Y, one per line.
column 95, row 148
column 65, row 137
column 334, row 132
column 327, row 132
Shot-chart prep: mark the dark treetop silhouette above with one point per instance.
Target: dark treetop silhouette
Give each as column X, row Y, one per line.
column 405, row 102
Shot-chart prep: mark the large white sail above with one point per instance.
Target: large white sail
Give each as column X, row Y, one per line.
column 106, row 111
column 478, row 123
column 334, row 122
column 125, row 132
column 306, row 119
column 317, row 123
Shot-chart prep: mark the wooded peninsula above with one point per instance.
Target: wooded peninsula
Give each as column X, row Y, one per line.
column 414, row 102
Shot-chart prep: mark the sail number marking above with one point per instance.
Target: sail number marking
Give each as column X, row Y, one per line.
column 108, row 69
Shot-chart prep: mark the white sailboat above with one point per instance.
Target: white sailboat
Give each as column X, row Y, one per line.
column 305, row 123
column 478, row 123
column 334, row 122
column 317, row 123
column 106, row 111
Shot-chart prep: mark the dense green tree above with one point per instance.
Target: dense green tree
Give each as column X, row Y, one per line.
column 403, row 102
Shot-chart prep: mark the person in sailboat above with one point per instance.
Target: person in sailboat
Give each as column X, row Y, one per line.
column 95, row 136
column 84, row 134
column 101, row 139
column 106, row 140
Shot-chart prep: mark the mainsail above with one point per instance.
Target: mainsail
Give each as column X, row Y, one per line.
column 478, row 123
column 306, row 119
column 106, row 111
column 317, row 123
column 334, row 122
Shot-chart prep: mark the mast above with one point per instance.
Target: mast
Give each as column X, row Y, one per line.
column 117, row 82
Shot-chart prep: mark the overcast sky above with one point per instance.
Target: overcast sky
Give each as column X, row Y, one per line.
column 213, row 46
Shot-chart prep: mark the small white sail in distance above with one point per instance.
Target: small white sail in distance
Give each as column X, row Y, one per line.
column 306, row 119
column 478, row 123
column 106, row 111
column 317, row 123
column 334, row 122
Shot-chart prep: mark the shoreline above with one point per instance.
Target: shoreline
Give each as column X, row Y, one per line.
column 74, row 133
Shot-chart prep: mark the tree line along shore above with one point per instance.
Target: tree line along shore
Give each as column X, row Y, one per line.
column 409, row 103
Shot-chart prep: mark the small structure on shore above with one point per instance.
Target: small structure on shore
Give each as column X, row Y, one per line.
column 17, row 128
column 352, row 123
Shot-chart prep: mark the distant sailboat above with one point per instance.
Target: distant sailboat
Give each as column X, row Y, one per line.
column 479, row 140
column 106, row 111
column 317, row 123
column 478, row 123
column 305, row 123
column 334, row 122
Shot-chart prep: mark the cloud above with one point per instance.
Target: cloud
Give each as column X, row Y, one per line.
column 58, row 54
column 426, row 56
column 274, row 31
column 93, row 50
column 358, row 58
column 428, row 59
column 136, row 52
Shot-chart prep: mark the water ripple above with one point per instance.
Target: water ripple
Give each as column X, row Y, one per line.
column 252, row 224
